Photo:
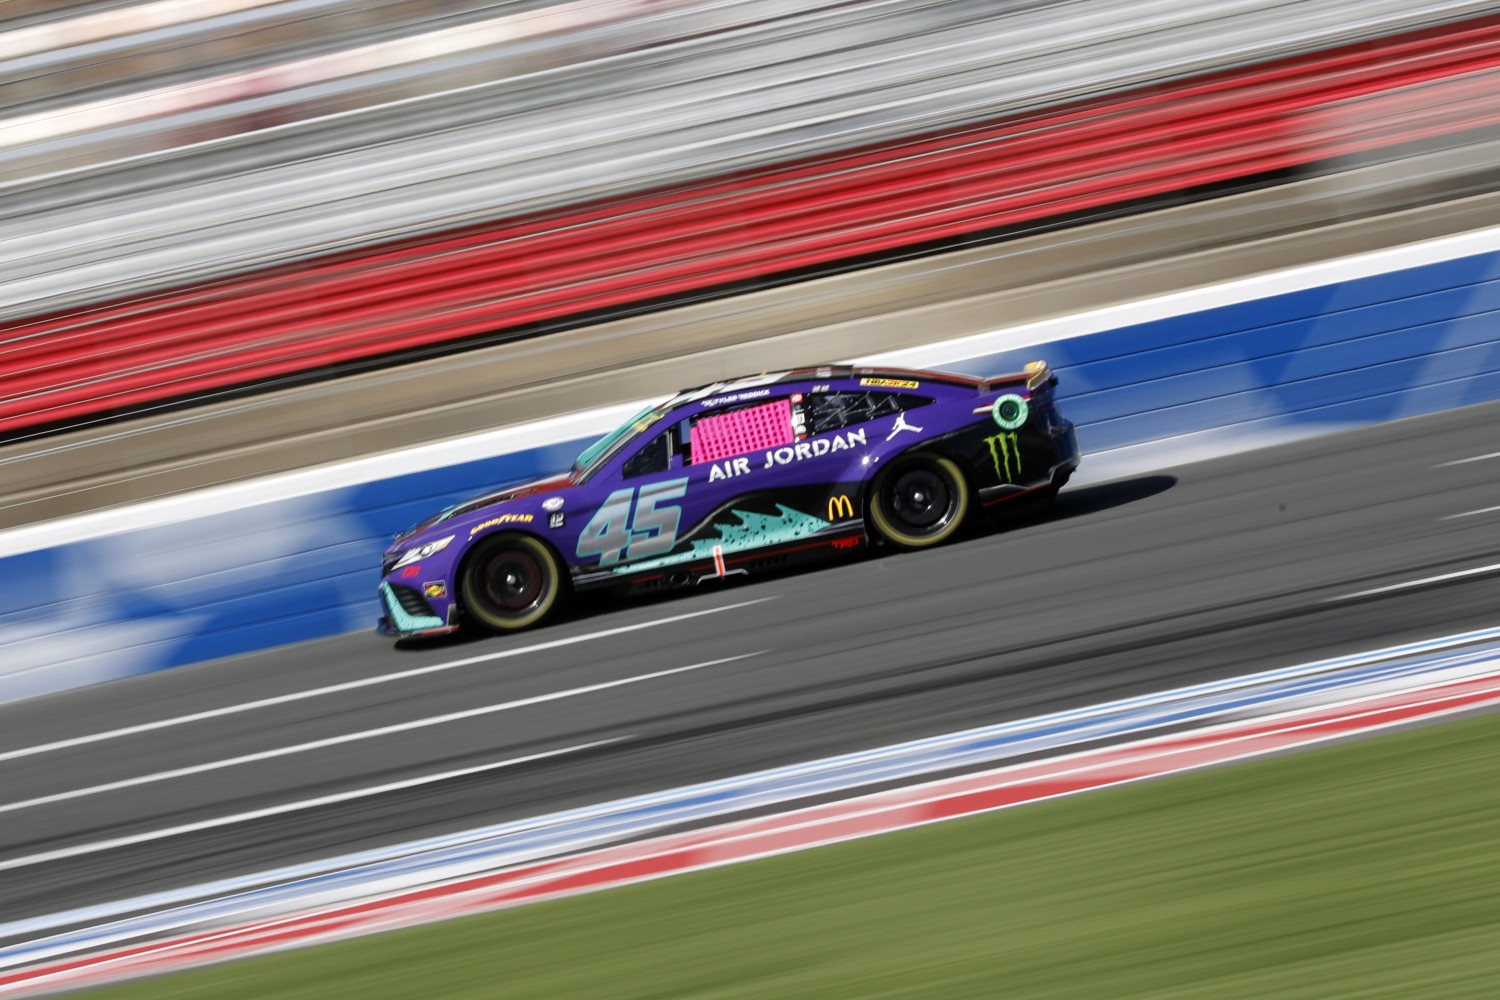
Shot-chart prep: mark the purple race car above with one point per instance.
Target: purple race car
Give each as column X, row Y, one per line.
column 735, row 478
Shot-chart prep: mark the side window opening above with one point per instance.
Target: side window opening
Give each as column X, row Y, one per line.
column 831, row 411
column 742, row 428
column 739, row 430
column 671, row 449
column 655, row 457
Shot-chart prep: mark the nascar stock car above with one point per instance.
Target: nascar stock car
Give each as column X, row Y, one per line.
column 734, row 478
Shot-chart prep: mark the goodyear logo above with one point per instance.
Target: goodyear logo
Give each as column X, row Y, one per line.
column 890, row 383
column 495, row 522
column 1005, row 452
column 840, row 508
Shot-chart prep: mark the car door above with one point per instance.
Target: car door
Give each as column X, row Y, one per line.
column 722, row 477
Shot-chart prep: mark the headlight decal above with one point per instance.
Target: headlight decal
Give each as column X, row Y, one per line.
column 423, row 551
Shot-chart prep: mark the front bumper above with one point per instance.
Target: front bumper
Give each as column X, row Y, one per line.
column 407, row 614
column 383, row 626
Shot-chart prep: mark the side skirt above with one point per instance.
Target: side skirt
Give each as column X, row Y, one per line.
column 730, row 565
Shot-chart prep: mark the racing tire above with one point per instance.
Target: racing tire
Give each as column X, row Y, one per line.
column 510, row 582
column 920, row 501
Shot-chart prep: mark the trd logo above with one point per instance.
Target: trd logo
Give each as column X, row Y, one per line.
column 840, row 508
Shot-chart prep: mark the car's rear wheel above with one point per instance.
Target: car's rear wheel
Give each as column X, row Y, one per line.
column 511, row 582
column 921, row 500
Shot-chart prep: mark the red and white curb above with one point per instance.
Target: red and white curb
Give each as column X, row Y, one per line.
column 917, row 805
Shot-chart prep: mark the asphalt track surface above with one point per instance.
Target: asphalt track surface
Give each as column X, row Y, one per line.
column 1200, row 571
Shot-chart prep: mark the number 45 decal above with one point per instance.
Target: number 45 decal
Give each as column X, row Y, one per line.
column 650, row 532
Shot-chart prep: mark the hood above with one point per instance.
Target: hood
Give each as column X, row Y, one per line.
column 515, row 491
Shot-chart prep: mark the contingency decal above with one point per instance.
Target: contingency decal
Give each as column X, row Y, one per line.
column 891, row 383
column 1005, row 451
column 1010, row 411
column 752, row 532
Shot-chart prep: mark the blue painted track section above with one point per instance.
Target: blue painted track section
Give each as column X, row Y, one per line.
column 1346, row 354
column 1354, row 353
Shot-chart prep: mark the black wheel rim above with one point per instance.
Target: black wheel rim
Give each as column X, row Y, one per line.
column 513, row 582
column 921, row 501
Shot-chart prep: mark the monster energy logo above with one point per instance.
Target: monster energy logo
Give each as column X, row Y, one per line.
column 1004, row 450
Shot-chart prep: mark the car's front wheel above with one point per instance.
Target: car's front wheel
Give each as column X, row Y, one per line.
column 511, row 582
column 921, row 500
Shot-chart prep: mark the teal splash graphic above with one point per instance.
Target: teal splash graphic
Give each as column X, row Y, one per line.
column 401, row 619
column 753, row 532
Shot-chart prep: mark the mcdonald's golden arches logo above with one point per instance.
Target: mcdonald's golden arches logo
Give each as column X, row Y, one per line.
column 840, row 507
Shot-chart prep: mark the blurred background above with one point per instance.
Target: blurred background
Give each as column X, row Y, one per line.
column 280, row 277
column 212, row 201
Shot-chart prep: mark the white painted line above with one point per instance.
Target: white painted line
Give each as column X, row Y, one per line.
column 1466, row 461
column 78, row 850
column 808, row 770
column 204, row 895
column 400, row 675
column 1469, row 513
column 1409, row 584
column 365, row 734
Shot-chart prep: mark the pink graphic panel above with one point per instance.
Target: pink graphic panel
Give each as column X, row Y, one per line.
column 747, row 430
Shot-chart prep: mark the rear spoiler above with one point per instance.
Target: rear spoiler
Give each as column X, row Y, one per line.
column 1033, row 376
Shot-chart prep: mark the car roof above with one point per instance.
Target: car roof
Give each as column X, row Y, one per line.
column 818, row 373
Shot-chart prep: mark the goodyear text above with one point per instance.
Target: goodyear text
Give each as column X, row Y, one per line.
column 495, row 522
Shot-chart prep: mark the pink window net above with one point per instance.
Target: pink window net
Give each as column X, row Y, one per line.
column 747, row 430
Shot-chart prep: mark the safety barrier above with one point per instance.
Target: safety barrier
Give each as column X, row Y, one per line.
column 1369, row 338
column 1355, row 100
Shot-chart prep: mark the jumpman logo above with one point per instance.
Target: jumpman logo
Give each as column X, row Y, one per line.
column 902, row 425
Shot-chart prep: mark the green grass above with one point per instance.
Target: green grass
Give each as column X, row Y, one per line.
column 1369, row 869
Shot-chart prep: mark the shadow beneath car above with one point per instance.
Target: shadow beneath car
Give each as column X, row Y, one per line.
column 453, row 640
column 1105, row 496
column 577, row 607
column 1084, row 500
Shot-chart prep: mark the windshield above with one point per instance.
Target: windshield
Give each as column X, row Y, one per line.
column 603, row 449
